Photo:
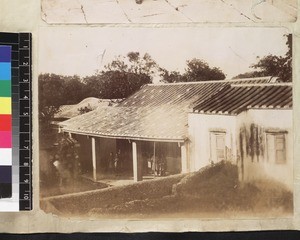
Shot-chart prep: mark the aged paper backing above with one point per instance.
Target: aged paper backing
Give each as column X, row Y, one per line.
column 18, row 17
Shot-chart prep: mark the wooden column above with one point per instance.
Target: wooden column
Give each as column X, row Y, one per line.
column 184, row 160
column 94, row 158
column 137, row 174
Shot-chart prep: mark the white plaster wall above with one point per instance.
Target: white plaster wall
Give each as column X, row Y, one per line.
column 268, row 118
column 199, row 135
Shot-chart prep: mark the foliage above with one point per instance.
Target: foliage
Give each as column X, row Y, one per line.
column 115, row 84
column 273, row 65
column 51, row 92
column 172, row 77
column 85, row 109
column 196, row 70
column 133, row 63
column 56, row 90
column 122, row 77
column 252, row 74
column 119, row 79
column 199, row 70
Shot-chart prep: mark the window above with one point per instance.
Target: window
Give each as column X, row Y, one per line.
column 217, row 146
column 276, row 147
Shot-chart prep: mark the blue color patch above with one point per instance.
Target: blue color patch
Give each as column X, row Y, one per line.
column 5, row 53
column 5, row 71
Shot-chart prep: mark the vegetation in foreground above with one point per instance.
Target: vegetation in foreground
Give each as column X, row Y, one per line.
column 211, row 192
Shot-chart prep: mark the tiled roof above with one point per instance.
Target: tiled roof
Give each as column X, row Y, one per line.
column 161, row 123
column 233, row 99
column 70, row 111
column 181, row 94
column 157, row 111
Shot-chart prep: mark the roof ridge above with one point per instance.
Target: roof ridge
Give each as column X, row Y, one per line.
column 261, row 84
column 209, row 81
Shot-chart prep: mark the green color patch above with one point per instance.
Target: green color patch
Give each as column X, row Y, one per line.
column 5, row 88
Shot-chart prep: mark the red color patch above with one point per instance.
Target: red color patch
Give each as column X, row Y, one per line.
column 5, row 122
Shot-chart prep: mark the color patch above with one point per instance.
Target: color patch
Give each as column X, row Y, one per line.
column 5, row 105
column 5, row 54
column 5, row 190
column 5, row 88
column 5, row 156
column 5, row 71
column 5, row 174
column 5, row 122
column 5, row 139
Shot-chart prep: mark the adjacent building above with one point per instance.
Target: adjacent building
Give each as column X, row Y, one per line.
column 248, row 124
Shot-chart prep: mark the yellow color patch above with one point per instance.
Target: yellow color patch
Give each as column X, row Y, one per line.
column 5, row 105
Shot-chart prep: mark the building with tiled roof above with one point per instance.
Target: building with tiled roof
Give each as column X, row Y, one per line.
column 157, row 125
column 248, row 124
column 156, row 111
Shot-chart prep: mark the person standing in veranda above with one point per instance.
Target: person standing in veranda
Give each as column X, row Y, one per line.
column 154, row 165
column 111, row 162
column 116, row 163
column 162, row 165
column 121, row 161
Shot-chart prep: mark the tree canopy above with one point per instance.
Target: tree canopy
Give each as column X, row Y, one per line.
column 196, row 70
column 273, row 65
column 56, row 90
column 120, row 78
column 199, row 70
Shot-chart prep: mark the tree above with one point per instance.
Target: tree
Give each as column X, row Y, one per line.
column 196, row 70
column 272, row 65
column 252, row 74
column 74, row 90
column 133, row 63
column 51, row 94
column 56, row 90
column 115, row 84
column 123, row 76
column 199, row 70
column 172, row 77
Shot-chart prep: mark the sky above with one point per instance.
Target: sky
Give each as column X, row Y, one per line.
column 84, row 50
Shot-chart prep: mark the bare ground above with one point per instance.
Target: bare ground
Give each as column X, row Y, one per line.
column 209, row 193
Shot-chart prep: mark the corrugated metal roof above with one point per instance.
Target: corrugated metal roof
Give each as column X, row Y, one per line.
column 233, row 99
column 157, row 111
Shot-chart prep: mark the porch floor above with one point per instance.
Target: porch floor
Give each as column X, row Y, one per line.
column 116, row 179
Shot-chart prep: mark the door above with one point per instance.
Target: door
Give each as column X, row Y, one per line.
column 217, row 146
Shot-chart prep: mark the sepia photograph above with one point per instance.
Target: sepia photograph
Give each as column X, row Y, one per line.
column 168, row 11
column 154, row 123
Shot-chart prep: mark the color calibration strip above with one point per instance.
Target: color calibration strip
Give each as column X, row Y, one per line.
column 5, row 123
column 19, row 123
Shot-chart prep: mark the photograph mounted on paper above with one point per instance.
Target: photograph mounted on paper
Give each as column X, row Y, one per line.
column 168, row 11
column 132, row 125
